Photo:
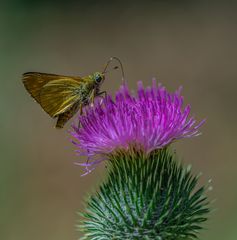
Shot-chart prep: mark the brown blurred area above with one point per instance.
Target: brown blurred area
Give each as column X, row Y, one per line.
column 188, row 43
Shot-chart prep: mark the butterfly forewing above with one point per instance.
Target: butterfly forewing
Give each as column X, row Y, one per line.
column 55, row 93
column 58, row 96
column 34, row 81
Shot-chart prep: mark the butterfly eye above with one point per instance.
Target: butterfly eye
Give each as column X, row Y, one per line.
column 98, row 79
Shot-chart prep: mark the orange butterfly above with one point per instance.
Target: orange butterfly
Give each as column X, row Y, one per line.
column 62, row 96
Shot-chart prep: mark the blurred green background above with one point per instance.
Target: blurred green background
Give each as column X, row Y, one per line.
column 189, row 43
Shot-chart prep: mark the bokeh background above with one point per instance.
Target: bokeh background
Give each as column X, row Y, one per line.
column 188, row 43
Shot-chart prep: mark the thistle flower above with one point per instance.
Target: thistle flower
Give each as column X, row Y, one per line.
column 150, row 120
column 146, row 194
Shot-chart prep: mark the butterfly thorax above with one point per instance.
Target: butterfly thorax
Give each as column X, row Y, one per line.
column 90, row 86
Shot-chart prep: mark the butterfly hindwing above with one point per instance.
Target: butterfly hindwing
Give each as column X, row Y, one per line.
column 64, row 117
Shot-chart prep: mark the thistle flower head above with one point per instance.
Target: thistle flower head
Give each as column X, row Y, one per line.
column 147, row 194
column 151, row 119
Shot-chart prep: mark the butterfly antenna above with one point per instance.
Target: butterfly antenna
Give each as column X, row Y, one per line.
column 121, row 66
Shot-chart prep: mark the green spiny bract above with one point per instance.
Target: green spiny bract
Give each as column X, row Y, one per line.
column 146, row 197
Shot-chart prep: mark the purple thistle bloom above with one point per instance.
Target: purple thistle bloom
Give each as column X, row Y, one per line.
column 151, row 120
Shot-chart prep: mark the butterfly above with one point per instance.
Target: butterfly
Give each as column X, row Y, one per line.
column 63, row 96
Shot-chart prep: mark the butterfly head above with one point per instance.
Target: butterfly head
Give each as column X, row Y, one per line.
column 98, row 77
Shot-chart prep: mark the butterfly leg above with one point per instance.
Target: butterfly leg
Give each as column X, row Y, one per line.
column 81, row 109
column 92, row 98
column 80, row 112
column 100, row 95
column 91, row 101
